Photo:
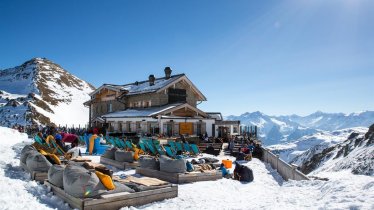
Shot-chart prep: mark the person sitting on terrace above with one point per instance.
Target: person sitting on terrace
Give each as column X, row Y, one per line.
column 74, row 152
column 58, row 138
column 41, row 137
column 102, row 140
column 225, row 172
column 183, row 139
column 251, row 147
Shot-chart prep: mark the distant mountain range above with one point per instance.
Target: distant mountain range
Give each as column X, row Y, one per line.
column 42, row 92
column 347, row 149
column 278, row 129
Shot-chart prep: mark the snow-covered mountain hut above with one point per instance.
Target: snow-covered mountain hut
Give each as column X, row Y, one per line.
column 165, row 105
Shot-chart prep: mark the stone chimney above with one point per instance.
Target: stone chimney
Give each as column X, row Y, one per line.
column 167, row 72
column 151, row 79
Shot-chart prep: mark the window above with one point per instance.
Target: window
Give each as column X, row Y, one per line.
column 177, row 95
column 137, row 104
column 146, row 104
column 109, row 107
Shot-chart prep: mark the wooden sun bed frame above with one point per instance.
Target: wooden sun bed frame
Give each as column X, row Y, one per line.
column 41, row 176
column 217, row 147
column 117, row 164
column 180, row 178
column 35, row 175
column 117, row 200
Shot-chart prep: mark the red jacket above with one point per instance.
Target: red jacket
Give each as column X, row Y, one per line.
column 69, row 137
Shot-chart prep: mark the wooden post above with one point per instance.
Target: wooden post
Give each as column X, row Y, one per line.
column 294, row 167
column 277, row 162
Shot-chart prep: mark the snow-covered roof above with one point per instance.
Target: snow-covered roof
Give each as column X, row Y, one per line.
column 215, row 115
column 141, row 112
column 143, row 87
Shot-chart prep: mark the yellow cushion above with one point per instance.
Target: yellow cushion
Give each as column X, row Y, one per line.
column 55, row 158
column 91, row 144
column 49, row 139
column 43, row 152
column 105, row 180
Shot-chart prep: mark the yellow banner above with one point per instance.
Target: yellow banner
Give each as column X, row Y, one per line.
column 186, row 128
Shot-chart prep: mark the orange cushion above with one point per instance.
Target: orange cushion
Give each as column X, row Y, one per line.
column 92, row 143
column 105, row 180
column 136, row 154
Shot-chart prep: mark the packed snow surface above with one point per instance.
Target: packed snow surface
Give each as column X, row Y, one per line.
column 268, row 190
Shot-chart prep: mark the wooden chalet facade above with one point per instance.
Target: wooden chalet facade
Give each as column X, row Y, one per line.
column 166, row 105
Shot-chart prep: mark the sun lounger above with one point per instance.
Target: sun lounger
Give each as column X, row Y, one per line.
column 59, row 150
column 98, row 148
column 118, row 164
column 179, row 178
column 129, row 145
column 187, row 147
column 120, row 143
column 111, row 141
column 117, row 200
column 151, row 147
column 81, row 140
column 142, row 146
column 38, row 139
column 195, row 149
column 169, row 151
column 172, row 145
column 179, row 146
column 160, row 150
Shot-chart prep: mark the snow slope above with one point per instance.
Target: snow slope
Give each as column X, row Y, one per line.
column 17, row 191
column 355, row 154
column 268, row 191
column 42, row 92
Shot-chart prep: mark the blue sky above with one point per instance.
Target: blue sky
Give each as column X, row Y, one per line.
column 278, row 57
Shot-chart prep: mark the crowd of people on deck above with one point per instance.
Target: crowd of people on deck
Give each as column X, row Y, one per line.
column 67, row 138
column 33, row 129
column 248, row 146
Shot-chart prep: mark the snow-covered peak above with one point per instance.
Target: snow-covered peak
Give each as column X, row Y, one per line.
column 47, row 91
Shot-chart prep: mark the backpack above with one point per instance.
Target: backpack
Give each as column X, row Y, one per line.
column 240, row 156
column 243, row 173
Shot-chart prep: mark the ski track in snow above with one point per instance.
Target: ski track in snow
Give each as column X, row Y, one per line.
column 268, row 190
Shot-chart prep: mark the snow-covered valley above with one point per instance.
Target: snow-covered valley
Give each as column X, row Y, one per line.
column 343, row 190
